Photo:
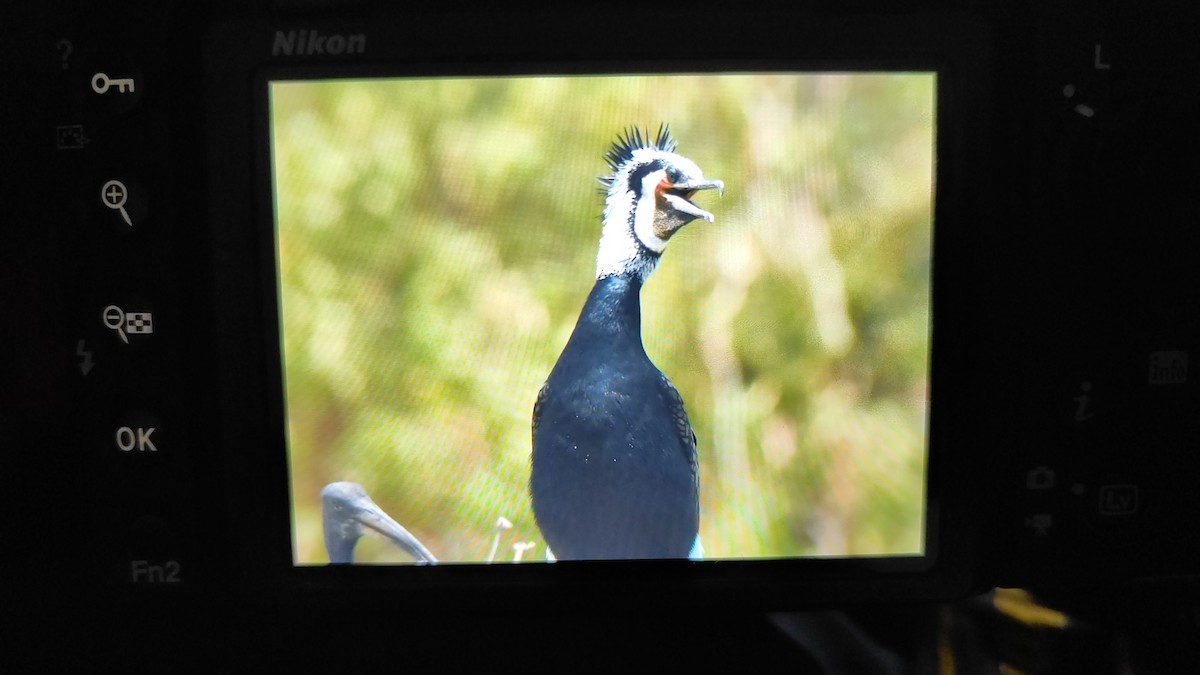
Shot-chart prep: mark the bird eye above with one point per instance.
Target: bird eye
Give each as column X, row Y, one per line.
column 675, row 175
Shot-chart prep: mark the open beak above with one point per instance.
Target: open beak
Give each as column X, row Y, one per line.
column 679, row 196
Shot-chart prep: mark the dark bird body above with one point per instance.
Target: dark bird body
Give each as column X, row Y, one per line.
column 614, row 468
column 612, row 431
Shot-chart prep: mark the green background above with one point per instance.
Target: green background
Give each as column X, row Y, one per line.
column 437, row 238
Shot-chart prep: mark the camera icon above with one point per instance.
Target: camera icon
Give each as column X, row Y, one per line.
column 1040, row 478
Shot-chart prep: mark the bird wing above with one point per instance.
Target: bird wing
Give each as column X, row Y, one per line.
column 683, row 427
column 537, row 405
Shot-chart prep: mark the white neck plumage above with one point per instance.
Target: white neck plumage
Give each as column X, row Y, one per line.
column 628, row 245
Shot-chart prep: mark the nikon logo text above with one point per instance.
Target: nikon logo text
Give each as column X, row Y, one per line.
column 315, row 43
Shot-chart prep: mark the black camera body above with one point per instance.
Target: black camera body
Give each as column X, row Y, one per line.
column 146, row 446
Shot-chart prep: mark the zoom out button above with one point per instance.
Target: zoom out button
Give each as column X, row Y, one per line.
column 130, row 324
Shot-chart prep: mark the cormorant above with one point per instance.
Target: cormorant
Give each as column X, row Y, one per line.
column 614, row 469
column 348, row 513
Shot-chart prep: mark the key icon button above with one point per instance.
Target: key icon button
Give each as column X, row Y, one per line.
column 109, row 94
column 101, row 83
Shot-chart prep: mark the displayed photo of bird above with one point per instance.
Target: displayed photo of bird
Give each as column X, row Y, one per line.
column 445, row 254
column 614, row 466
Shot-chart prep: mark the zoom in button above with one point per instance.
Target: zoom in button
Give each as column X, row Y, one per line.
column 123, row 202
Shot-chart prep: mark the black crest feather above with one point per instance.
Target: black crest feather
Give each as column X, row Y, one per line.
column 632, row 139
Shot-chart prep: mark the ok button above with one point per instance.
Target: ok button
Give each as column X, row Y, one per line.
column 131, row 439
column 138, row 433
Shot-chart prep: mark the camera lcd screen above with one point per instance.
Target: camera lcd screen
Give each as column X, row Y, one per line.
column 437, row 239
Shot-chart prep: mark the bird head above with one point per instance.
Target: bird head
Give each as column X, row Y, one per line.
column 648, row 199
column 348, row 513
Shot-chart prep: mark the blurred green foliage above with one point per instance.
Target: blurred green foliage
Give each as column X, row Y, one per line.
column 437, row 238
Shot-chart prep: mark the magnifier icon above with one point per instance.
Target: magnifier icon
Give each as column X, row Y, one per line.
column 114, row 318
column 113, row 194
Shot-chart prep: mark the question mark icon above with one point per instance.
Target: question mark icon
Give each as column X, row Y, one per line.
column 64, row 51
